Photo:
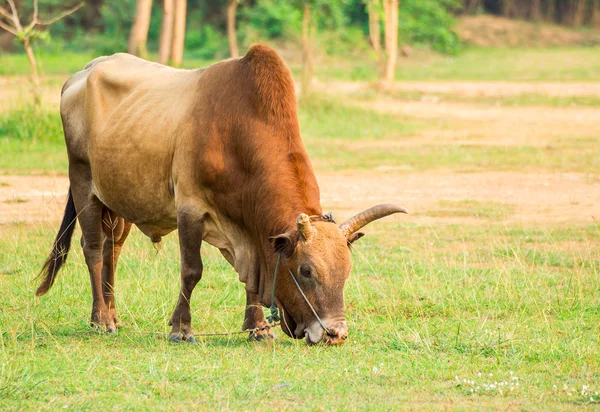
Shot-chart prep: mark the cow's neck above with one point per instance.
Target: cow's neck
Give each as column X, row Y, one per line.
column 287, row 189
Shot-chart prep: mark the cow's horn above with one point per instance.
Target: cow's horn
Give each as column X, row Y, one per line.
column 305, row 227
column 367, row 216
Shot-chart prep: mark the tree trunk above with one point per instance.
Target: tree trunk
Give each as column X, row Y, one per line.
column 390, row 8
column 507, row 7
column 35, row 79
column 178, row 32
column 307, row 69
column 595, row 13
column 139, row 31
column 578, row 12
column 535, row 12
column 472, row 6
column 550, row 11
column 375, row 32
column 166, row 33
column 231, row 32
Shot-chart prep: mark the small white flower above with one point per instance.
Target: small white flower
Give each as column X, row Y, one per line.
column 490, row 374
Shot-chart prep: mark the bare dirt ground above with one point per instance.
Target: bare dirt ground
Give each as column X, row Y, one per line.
column 532, row 197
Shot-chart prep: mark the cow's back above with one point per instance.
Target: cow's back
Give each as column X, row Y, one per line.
column 121, row 115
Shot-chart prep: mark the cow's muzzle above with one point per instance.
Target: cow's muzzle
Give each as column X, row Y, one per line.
column 338, row 333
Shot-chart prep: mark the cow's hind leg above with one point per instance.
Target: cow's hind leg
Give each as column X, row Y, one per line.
column 190, row 228
column 255, row 319
column 115, row 230
column 89, row 214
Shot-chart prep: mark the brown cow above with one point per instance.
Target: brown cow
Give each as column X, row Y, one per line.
column 217, row 154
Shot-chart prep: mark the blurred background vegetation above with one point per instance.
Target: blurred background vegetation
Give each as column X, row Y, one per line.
column 340, row 26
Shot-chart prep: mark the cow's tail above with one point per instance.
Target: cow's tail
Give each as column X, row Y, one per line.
column 60, row 249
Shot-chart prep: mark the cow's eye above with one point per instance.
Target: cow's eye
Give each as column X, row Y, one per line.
column 305, row 271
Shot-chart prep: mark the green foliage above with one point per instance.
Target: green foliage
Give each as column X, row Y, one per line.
column 429, row 22
column 341, row 26
column 272, row 18
column 206, row 43
column 32, row 35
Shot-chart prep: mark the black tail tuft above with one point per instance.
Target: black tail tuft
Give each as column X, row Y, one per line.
column 61, row 247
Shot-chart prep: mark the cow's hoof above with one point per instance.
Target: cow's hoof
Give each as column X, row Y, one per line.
column 178, row 337
column 261, row 335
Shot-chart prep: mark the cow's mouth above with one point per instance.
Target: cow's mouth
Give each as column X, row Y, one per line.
column 288, row 324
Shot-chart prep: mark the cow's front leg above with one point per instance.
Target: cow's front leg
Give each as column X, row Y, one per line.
column 190, row 228
column 255, row 319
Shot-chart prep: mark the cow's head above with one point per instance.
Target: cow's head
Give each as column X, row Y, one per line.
column 318, row 255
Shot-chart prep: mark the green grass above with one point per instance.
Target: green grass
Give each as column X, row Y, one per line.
column 425, row 304
column 31, row 139
column 49, row 63
column 471, row 208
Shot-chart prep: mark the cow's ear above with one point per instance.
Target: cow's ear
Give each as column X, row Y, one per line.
column 354, row 237
column 284, row 244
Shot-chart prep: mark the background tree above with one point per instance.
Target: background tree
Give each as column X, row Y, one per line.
column 577, row 11
column 387, row 58
column 231, row 30
column 178, row 32
column 374, row 11
column 166, row 33
column 472, row 6
column 139, row 32
column 595, row 13
column 390, row 8
column 507, row 6
column 11, row 22
column 536, row 12
column 307, row 63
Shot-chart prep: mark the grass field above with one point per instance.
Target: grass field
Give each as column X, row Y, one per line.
column 487, row 296
column 512, row 310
